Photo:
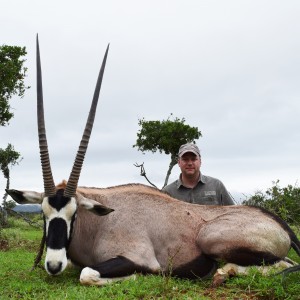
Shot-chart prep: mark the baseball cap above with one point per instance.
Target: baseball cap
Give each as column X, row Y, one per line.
column 189, row 147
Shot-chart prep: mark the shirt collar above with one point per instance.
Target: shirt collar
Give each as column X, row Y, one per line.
column 202, row 178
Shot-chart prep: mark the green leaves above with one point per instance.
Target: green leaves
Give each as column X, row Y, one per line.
column 285, row 202
column 8, row 157
column 165, row 136
column 12, row 74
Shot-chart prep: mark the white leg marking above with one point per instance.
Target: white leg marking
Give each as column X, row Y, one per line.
column 90, row 276
column 230, row 269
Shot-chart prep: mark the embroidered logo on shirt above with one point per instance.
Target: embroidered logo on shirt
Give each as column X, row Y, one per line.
column 210, row 193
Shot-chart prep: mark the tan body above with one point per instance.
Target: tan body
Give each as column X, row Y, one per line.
column 159, row 232
column 141, row 229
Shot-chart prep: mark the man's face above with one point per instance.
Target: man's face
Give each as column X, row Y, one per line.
column 189, row 163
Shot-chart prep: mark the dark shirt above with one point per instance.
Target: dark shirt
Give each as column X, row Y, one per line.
column 208, row 191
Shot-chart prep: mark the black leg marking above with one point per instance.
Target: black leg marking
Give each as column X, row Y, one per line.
column 202, row 266
column 246, row 257
column 118, row 267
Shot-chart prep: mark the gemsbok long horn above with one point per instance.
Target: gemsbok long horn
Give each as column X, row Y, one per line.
column 74, row 176
column 49, row 186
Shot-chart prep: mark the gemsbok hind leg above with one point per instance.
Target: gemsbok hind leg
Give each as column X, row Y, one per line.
column 253, row 242
column 228, row 270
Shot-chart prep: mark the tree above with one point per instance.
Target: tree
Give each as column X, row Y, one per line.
column 8, row 157
column 165, row 136
column 12, row 74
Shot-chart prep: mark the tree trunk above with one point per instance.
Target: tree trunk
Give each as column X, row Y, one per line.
column 3, row 210
column 172, row 164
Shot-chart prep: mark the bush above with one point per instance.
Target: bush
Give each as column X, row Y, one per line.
column 285, row 202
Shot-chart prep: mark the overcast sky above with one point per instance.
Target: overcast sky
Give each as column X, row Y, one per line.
column 230, row 68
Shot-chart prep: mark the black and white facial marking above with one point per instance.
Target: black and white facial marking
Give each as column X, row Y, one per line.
column 60, row 213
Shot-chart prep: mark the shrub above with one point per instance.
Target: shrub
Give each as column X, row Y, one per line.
column 285, row 202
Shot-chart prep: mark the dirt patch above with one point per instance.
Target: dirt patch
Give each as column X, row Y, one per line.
column 4, row 246
column 215, row 294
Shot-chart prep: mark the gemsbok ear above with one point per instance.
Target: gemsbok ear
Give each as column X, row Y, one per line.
column 94, row 206
column 25, row 197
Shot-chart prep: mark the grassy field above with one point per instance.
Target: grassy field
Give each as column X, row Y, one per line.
column 17, row 281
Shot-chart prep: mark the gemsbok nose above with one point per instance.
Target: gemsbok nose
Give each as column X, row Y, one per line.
column 54, row 267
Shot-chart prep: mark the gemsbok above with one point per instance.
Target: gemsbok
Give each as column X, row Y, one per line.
column 112, row 233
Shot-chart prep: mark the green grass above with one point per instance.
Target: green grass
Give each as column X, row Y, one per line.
column 17, row 281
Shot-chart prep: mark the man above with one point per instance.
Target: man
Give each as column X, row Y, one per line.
column 194, row 187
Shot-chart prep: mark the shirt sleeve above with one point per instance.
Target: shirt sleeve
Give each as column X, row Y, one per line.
column 226, row 198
